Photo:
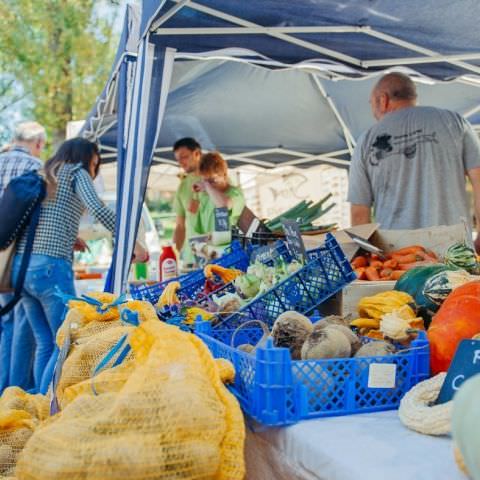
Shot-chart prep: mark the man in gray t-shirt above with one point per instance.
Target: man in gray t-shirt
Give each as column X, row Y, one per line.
column 411, row 165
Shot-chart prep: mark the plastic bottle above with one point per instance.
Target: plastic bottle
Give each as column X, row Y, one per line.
column 168, row 264
column 141, row 271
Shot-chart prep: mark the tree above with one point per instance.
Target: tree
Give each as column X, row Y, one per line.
column 60, row 53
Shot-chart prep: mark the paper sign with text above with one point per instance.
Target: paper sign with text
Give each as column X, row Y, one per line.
column 465, row 364
column 382, row 375
column 264, row 254
column 222, row 222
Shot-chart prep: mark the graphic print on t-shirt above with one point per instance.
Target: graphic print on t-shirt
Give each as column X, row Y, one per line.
column 386, row 145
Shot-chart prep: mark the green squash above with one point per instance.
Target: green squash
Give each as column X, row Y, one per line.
column 462, row 256
column 413, row 283
column 440, row 285
column 466, row 424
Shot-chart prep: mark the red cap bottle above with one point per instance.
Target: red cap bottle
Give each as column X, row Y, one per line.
column 168, row 264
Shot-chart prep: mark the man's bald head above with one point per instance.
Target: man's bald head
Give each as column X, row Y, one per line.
column 392, row 92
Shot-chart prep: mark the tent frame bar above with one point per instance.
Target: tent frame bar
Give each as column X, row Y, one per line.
column 346, row 131
column 255, row 30
column 249, row 157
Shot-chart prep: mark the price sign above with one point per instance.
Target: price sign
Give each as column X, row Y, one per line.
column 465, row 364
column 382, row 375
column 222, row 221
column 294, row 239
column 264, row 254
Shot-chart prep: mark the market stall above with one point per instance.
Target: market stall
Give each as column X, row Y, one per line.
column 259, row 310
column 298, row 77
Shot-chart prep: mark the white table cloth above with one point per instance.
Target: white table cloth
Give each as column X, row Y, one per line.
column 372, row 446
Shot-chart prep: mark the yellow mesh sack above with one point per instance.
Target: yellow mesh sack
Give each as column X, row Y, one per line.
column 90, row 340
column 87, row 352
column 170, row 418
column 20, row 413
column 91, row 313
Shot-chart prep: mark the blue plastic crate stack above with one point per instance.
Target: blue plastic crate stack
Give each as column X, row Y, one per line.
column 275, row 390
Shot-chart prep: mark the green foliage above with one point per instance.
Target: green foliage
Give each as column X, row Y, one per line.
column 60, row 52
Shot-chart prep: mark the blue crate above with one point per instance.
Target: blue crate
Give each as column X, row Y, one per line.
column 192, row 283
column 327, row 272
column 275, row 390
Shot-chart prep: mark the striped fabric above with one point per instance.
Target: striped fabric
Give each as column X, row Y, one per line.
column 60, row 216
column 14, row 163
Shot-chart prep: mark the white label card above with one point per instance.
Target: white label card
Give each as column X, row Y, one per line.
column 382, row 375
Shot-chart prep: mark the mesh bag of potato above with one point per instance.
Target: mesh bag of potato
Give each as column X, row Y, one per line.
column 163, row 414
column 87, row 334
column 20, row 414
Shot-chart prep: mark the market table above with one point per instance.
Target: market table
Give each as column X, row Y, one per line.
column 374, row 446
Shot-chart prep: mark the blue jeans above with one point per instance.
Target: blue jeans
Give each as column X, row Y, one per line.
column 15, row 370
column 46, row 276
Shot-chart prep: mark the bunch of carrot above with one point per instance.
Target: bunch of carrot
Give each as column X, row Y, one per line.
column 392, row 265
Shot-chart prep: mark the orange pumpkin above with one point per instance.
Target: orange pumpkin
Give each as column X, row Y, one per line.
column 457, row 319
column 470, row 288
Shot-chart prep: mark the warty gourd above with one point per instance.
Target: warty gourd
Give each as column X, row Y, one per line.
column 417, row 412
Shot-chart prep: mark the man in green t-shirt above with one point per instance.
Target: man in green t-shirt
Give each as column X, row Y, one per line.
column 187, row 152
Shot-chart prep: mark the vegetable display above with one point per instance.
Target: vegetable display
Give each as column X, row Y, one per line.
column 227, row 275
column 388, row 315
column 169, row 295
column 439, row 286
column 305, row 213
column 290, row 330
column 329, row 337
column 462, row 256
column 391, row 266
column 457, row 319
column 413, row 283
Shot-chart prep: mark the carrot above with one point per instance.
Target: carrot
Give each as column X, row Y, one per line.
column 377, row 264
column 409, row 266
column 408, row 250
column 372, row 274
column 396, row 274
column 360, row 273
column 385, row 273
column 427, row 257
column 359, row 262
column 410, row 258
column 432, row 254
column 393, row 264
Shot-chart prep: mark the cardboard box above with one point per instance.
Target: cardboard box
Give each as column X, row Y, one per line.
column 437, row 239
